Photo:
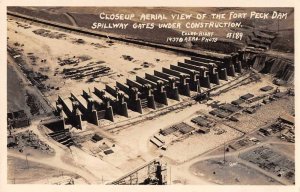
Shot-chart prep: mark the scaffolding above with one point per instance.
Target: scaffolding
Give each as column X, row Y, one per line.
column 152, row 173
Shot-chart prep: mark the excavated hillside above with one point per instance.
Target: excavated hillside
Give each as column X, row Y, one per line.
column 280, row 67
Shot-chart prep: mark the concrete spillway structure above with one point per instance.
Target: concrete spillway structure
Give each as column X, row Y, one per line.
column 196, row 63
column 67, row 109
column 228, row 62
column 158, row 88
column 219, row 62
column 77, row 115
column 229, row 66
column 223, row 74
column 168, row 81
column 189, row 66
column 181, row 79
column 194, row 76
column 211, row 67
column 70, row 108
column 166, row 76
column 237, row 59
column 119, row 104
column 133, row 99
column 144, row 81
column 156, row 79
column 184, row 87
column 161, row 93
column 109, row 114
column 146, row 90
column 98, row 103
column 86, row 106
column 233, row 62
column 242, row 59
column 231, row 71
column 239, row 67
column 59, row 110
column 214, row 75
column 204, row 77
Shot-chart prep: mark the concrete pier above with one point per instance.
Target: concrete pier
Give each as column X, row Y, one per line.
column 231, row 70
column 144, row 81
column 217, row 61
column 238, row 67
column 156, row 79
column 204, row 78
column 172, row 89
column 135, row 101
column 160, row 93
column 194, row 76
column 76, row 117
column 223, row 74
column 173, row 92
column 149, row 96
column 184, row 87
column 107, row 103
column 119, row 105
column 71, row 110
column 165, row 76
column 214, row 75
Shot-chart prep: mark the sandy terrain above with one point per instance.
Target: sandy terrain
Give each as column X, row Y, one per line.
column 51, row 49
column 199, row 143
column 15, row 92
column 36, row 173
column 287, row 149
column 136, row 138
column 233, row 173
column 210, row 167
column 73, row 160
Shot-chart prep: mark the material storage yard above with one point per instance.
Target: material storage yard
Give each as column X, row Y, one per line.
column 100, row 110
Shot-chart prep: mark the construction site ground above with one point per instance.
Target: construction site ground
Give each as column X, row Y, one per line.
column 132, row 147
column 110, row 54
column 187, row 155
column 37, row 173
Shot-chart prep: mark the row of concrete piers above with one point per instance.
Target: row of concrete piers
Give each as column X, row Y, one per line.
column 193, row 75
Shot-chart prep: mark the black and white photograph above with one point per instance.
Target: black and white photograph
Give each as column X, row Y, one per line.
column 149, row 95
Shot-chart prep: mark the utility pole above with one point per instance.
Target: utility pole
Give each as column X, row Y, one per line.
column 27, row 160
column 170, row 176
column 224, row 153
